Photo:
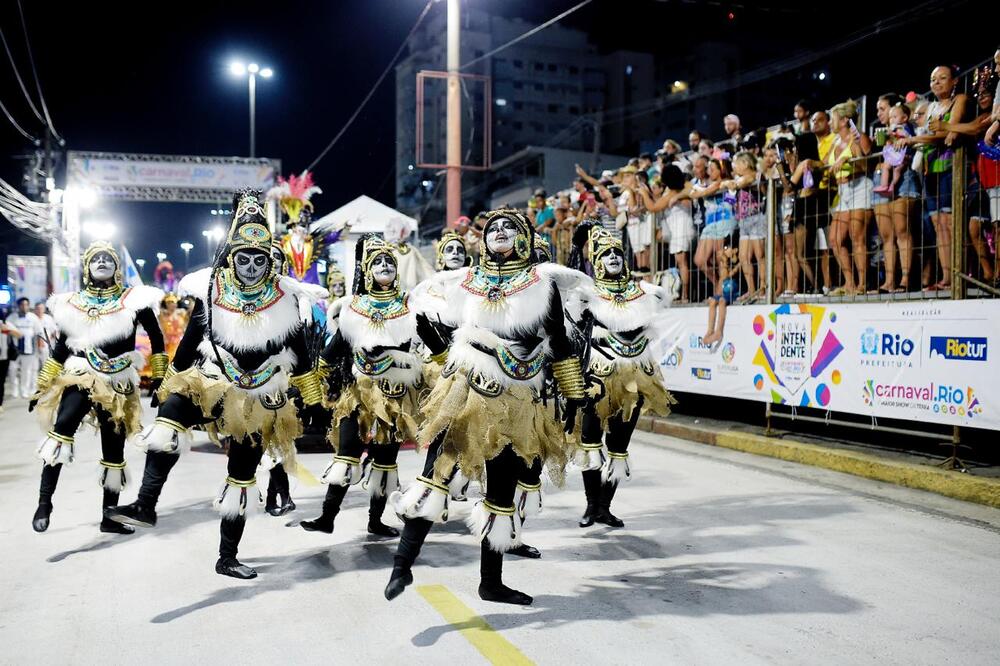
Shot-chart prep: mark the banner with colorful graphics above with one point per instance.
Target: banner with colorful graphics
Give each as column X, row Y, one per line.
column 926, row 361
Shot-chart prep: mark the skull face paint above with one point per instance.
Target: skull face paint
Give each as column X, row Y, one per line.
column 453, row 255
column 278, row 257
column 613, row 262
column 383, row 270
column 250, row 266
column 338, row 289
column 500, row 236
column 102, row 267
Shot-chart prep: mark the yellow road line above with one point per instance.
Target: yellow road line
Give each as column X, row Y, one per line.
column 476, row 630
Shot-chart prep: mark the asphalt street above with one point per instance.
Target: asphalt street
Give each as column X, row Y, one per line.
column 726, row 558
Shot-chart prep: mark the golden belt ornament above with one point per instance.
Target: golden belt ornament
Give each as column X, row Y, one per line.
column 602, row 368
column 108, row 366
column 250, row 379
column 370, row 367
column 517, row 368
column 627, row 349
column 273, row 401
column 483, row 385
column 392, row 389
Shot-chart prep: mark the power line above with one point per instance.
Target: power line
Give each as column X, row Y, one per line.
column 371, row 92
column 531, row 32
column 34, row 72
column 16, row 126
column 20, row 81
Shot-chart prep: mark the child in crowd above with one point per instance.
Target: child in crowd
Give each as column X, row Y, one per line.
column 750, row 218
column 896, row 153
column 725, row 291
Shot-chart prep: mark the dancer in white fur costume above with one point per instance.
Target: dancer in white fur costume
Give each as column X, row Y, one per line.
column 621, row 317
column 243, row 351
column 379, row 380
column 485, row 413
column 94, row 371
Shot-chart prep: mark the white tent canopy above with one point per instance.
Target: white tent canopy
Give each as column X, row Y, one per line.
column 365, row 215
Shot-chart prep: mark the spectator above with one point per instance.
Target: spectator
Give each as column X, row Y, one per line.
column 627, row 210
column 8, row 334
column 706, row 148
column 983, row 198
column 776, row 169
column 694, row 140
column 29, row 326
column 734, row 132
column 676, row 226
column 543, row 215
column 801, row 113
column 719, row 221
column 947, row 107
column 749, row 213
column 646, row 165
column 820, row 125
column 853, row 207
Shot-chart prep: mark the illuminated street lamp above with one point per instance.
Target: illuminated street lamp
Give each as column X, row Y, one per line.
column 187, row 254
column 160, row 256
column 251, row 71
column 213, row 236
column 99, row 230
column 140, row 263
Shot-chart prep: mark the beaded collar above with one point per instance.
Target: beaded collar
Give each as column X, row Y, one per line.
column 495, row 288
column 613, row 291
column 99, row 302
column 232, row 298
column 379, row 309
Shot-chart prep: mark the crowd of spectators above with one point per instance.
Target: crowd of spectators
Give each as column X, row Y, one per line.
column 860, row 210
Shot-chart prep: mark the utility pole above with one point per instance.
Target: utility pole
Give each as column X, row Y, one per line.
column 454, row 117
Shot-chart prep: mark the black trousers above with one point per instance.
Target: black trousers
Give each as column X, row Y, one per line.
column 4, row 367
column 74, row 406
column 352, row 446
column 619, row 430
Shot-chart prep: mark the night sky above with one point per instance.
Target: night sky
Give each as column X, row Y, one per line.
column 152, row 77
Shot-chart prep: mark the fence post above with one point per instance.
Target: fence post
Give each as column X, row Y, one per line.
column 958, row 187
column 771, row 212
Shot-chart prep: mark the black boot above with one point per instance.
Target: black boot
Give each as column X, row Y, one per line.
column 142, row 512
column 592, row 488
column 604, row 515
column 331, row 507
column 414, row 533
column 50, row 477
column 375, row 524
column 491, row 587
column 524, row 550
column 230, row 532
column 108, row 525
column 271, row 504
column 279, row 479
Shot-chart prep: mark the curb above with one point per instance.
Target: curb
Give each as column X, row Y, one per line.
column 953, row 484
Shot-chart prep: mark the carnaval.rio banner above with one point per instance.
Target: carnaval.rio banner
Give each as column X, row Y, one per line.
column 927, row 361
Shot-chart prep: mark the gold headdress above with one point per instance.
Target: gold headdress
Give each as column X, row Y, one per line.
column 372, row 248
column 522, row 243
column 599, row 243
column 249, row 230
column 92, row 251
column 446, row 238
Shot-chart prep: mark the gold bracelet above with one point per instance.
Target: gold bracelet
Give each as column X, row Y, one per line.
column 309, row 386
column 569, row 377
column 50, row 370
column 322, row 369
column 158, row 364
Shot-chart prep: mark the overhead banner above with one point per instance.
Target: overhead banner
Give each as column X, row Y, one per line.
column 927, row 361
column 192, row 178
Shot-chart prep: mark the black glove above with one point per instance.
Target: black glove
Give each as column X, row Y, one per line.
column 573, row 406
column 428, row 333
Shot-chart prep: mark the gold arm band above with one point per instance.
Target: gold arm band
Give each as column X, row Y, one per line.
column 170, row 372
column 158, row 364
column 322, row 369
column 236, row 483
column 50, row 370
column 59, row 438
column 440, row 358
column 309, row 387
column 111, row 465
column 498, row 510
column 569, row 377
column 529, row 487
column 434, row 485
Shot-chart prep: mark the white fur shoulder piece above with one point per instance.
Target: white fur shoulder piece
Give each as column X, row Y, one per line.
column 333, row 313
column 141, row 297
column 564, row 278
column 196, row 284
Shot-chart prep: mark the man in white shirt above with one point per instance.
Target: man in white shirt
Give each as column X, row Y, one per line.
column 24, row 371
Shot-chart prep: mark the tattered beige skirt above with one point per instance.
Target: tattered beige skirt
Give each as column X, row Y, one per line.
column 478, row 427
column 273, row 418
column 623, row 389
column 384, row 417
column 124, row 408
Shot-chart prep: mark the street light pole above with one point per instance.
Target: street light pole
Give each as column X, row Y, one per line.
column 253, row 109
column 187, row 255
column 454, row 116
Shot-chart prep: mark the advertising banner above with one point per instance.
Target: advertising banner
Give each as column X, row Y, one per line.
column 926, row 361
column 28, row 277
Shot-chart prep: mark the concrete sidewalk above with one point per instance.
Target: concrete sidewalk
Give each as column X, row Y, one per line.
column 726, row 558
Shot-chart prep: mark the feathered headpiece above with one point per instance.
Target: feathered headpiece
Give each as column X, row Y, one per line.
column 294, row 194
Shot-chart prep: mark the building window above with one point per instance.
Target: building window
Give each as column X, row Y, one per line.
column 552, row 67
column 539, row 87
column 553, row 108
column 478, row 52
column 573, row 69
column 539, row 66
column 518, row 106
column 518, row 64
column 574, row 110
column 518, row 125
column 518, row 85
